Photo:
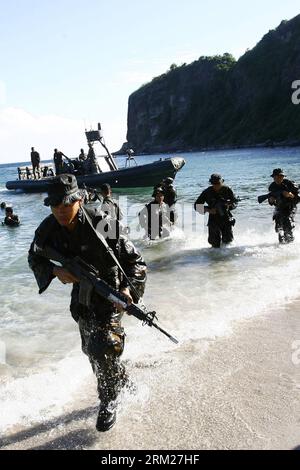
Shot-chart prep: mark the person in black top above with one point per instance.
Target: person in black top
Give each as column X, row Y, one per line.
column 109, row 206
column 284, row 198
column 91, row 161
column 58, row 161
column 11, row 219
column 82, row 155
column 220, row 201
column 154, row 217
column 170, row 197
column 35, row 161
column 70, row 230
column 20, row 174
column 28, row 173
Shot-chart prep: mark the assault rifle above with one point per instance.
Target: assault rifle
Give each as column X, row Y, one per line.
column 222, row 206
column 275, row 194
column 87, row 273
column 264, row 197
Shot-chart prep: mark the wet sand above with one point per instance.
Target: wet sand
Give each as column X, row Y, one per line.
column 237, row 392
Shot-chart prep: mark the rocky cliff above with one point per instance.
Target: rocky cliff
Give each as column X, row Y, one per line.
column 217, row 101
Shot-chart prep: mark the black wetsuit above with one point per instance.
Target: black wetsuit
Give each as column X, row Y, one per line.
column 111, row 208
column 12, row 220
column 91, row 161
column 35, row 161
column 58, row 162
column 170, row 199
column 285, row 209
column 154, row 218
column 170, row 195
column 219, row 225
column 99, row 323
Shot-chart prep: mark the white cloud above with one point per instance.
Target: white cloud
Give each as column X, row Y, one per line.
column 20, row 130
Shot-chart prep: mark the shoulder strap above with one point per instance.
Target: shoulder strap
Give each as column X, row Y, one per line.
column 108, row 248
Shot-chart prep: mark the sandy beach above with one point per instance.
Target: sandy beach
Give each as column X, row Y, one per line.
column 236, row 392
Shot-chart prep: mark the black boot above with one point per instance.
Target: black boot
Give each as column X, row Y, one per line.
column 106, row 417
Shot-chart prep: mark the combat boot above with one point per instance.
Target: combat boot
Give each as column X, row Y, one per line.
column 107, row 416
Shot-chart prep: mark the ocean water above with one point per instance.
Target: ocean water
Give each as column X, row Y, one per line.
column 197, row 291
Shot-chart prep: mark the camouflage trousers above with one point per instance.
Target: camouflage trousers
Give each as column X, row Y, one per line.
column 284, row 225
column 104, row 344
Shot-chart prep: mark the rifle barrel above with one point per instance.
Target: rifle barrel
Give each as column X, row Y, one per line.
column 165, row 333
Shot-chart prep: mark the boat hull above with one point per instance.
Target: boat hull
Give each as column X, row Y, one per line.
column 134, row 177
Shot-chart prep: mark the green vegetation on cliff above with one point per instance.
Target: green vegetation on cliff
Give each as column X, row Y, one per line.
column 217, row 101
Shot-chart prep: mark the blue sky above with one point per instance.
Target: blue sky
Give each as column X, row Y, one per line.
column 63, row 62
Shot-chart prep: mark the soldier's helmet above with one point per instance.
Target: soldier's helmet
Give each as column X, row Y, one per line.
column 168, row 180
column 277, row 172
column 63, row 189
column 216, row 178
column 159, row 190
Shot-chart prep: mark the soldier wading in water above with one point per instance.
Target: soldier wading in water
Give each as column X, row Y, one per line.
column 283, row 195
column 220, row 202
column 70, row 230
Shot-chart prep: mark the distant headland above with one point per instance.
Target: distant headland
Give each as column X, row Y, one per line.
column 219, row 103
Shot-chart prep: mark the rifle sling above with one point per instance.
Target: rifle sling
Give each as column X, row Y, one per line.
column 108, row 249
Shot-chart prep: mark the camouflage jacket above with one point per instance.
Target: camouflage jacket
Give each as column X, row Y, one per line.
column 84, row 242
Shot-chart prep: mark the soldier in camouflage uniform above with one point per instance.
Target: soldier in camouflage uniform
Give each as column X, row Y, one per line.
column 220, row 201
column 284, row 198
column 68, row 231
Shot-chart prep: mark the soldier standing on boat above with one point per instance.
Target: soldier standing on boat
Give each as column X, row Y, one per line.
column 284, row 197
column 28, row 173
column 82, row 156
column 220, row 201
column 35, row 162
column 58, row 161
column 92, row 160
column 81, row 166
column 70, row 230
